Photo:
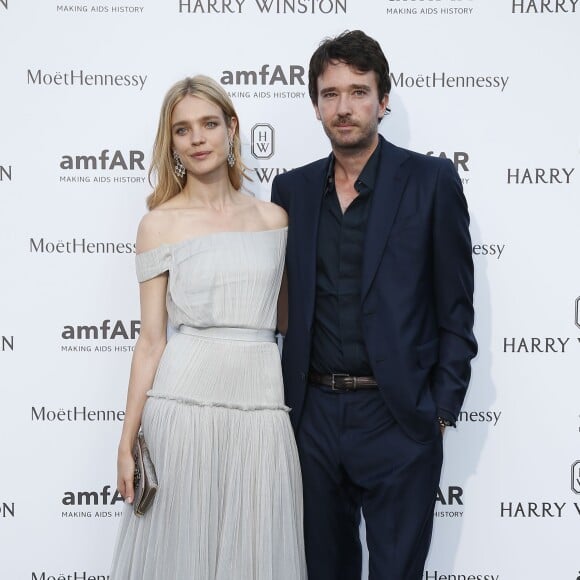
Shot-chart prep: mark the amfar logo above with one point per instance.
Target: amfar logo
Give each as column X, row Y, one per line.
column 459, row 158
column 450, row 500
column 6, row 172
column 262, row 141
column 577, row 313
column 6, row 343
column 453, row 496
column 106, row 160
column 103, row 497
column 107, row 330
column 4, row 4
column 576, row 477
column 288, row 76
column 543, row 6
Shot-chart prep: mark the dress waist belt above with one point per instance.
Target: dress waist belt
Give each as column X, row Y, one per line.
column 228, row 333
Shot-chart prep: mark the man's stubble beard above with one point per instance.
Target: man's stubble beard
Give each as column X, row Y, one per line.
column 364, row 142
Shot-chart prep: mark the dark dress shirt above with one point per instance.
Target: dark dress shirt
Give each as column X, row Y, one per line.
column 337, row 340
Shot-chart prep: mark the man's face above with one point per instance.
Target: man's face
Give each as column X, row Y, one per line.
column 349, row 107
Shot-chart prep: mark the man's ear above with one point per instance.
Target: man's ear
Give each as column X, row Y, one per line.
column 317, row 112
column 384, row 104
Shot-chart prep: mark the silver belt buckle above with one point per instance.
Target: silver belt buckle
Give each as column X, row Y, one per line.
column 333, row 385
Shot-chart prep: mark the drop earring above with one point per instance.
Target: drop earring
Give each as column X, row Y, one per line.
column 179, row 167
column 231, row 156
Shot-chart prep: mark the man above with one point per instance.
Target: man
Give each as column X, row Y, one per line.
column 376, row 358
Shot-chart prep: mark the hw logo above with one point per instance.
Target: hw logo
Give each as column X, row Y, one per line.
column 262, row 141
column 577, row 313
column 576, row 477
column 4, row 3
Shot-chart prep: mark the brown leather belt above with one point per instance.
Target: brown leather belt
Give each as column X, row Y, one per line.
column 342, row 381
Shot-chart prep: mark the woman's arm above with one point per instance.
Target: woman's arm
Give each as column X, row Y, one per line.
column 148, row 350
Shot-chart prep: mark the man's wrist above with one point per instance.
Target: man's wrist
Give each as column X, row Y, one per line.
column 444, row 422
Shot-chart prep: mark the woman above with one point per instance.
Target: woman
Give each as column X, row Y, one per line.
column 210, row 399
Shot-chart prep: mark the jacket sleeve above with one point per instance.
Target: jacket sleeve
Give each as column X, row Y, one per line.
column 276, row 195
column 453, row 283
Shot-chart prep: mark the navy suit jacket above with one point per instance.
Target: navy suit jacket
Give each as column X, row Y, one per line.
column 417, row 285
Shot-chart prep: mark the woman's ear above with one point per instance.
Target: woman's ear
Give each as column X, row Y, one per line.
column 232, row 127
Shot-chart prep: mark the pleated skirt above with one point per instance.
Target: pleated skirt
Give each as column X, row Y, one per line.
column 229, row 504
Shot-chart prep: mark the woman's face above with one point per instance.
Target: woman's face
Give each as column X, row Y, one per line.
column 201, row 137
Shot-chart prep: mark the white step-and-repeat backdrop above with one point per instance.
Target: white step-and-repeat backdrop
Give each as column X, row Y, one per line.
column 491, row 84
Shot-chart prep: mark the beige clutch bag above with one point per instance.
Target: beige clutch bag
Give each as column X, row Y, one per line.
column 145, row 482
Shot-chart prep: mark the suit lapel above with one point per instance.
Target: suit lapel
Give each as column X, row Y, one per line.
column 389, row 187
column 310, row 200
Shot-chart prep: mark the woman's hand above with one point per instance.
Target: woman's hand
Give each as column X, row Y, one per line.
column 125, row 474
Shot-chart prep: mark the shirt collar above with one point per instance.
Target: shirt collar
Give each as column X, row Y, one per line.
column 365, row 182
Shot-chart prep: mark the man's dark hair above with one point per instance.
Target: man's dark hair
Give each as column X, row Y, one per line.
column 354, row 48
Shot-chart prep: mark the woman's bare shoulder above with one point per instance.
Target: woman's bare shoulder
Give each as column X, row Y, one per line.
column 273, row 215
column 153, row 229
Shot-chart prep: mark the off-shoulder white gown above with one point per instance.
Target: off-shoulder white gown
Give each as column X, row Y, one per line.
column 229, row 505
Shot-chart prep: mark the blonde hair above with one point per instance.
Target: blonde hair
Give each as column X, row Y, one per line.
column 167, row 184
